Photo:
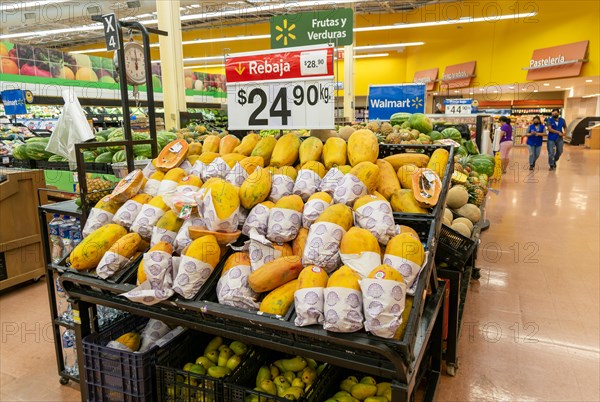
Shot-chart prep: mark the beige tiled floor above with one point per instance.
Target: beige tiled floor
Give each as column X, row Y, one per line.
column 531, row 322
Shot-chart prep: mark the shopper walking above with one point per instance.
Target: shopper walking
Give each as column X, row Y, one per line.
column 506, row 141
column 557, row 129
column 535, row 139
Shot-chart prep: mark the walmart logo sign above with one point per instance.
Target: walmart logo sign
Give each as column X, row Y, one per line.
column 385, row 100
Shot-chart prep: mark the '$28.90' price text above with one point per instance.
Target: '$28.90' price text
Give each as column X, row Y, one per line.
column 312, row 95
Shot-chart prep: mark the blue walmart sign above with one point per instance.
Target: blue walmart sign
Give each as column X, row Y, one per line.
column 385, row 100
column 14, row 102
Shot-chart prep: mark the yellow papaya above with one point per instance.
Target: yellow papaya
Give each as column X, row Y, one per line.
column 225, row 197
column 190, row 180
column 250, row 163
column 438, row 161
column 275, row 273
column 357, row 240
column 162, row 246
column 255, row 188
column 312, row 277
column 211, row 144
column 175, row 174
column 268, row 204
column 386, row 272
column 365, row 199
column 316, row 167
column 405, row 173
column 271, row 169
column 286, row 150
column 293, row 202
column 362, row 147
column 228, row 144
column 192, row 159
column 158, row 175
column 170, row 221
column 195, row 148
column 344, row 277
column 299, row 242
column 141, row 274
column 235, row 259
column 130, row 340
column 284, row 249
column 345, row 169
column 310, row 150
column 127, row 245
column 368, row 173
column 288, row 171
column 334, row 152
column 142, row 198
column 89, row 252
column 264, row 149
column 321, row 195
column 404, row 201
column 247, row 145
column 408, row 304
column 232, row 158
column 339, row 214
column 159, row 203
column 399, row 160
column 205, row 249
column 409, row 230
column 406, row 246
column 279, row 300
column 388, row 180
column 109, row 205
column 427, row 187
column 208, row 157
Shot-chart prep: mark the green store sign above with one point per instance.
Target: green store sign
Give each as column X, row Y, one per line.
column 312, row 28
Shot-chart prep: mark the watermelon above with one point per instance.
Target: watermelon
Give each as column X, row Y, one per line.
column 483, row 164
column 452, row 133
column 20, row 152
column 405, row 125
column 462, row 151
column 435, row 135
column 57, row 158
column 105, row 157
column 399, row 118
column 140, row 158
column 37, row 151
column 117, row 147
column 471, row 147
column 420, row 122
column 119, row 157
column 37, row 139
column 162, row 141
column 89, row 156
column 169, row 135
column 117, row 133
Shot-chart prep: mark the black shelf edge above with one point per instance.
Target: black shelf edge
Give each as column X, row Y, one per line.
column 65, row 208
column 65, row 324
column 71, row 377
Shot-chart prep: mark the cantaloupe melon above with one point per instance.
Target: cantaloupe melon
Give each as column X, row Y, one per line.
column 457, row 197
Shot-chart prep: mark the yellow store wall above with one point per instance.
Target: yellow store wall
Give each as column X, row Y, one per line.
column 501, row 49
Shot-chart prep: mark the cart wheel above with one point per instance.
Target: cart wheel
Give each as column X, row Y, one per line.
column 451, row 370
column 476, row 274
column 63, row 380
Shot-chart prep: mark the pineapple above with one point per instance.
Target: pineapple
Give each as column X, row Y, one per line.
column 386, row 128
column 373, row 126
column 393, row 138
column 476, row 193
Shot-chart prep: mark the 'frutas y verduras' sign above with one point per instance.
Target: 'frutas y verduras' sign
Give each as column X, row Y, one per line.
column 312, row 28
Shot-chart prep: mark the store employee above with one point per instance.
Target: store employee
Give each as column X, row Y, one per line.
column 535, row 139
column 557, row 128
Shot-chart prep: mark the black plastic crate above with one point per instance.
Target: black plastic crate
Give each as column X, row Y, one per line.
column 242, row 389
column 46, row 165
column 338, row 374
column 209, row 290
column 438, row 211
column 454, row 249
column 176, row 385
column 117, row 375
column 24, row 164
column 125, row 274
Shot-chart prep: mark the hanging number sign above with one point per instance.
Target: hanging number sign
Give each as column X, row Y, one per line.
column 111, row 33
column 277, row 89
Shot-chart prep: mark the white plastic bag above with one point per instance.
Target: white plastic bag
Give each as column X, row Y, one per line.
column 72, row 128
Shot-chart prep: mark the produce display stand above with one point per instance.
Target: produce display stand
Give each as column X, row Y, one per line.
column 458, row 279
column 367, row 355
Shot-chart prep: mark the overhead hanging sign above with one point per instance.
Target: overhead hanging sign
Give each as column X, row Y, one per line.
column 312, row 28
column 14, row 102
column 458, row 75
column 558, row 61
column 385, row 100
column 427, row 77
column 281, row 89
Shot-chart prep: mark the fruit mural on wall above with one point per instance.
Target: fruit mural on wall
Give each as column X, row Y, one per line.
column 32, row 61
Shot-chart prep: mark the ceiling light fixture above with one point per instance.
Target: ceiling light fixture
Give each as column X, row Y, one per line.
column 511, row 87
column 557, row 87
column 535, row 90
column 589, row 80
column 546, row 84
column 388, row 46
column 369, row 55
column 93, row 27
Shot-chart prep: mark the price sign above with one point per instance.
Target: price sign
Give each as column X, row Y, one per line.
column 281, row 89
column 459, row 106
column 111, row 32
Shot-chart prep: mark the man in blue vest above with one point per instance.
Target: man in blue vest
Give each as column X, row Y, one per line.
column 557, row 129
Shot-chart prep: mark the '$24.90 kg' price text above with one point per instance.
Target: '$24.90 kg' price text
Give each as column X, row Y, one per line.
column 310, row 96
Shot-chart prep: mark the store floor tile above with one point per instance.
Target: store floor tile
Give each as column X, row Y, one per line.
column 531, row 322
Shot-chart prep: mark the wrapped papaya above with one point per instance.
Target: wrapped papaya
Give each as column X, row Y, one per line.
column 285, row 219
column 308, row 297
column 221, row 206
column 166, row 228
column 406, row 254
column 232, row 288
column 153, row 183
column 101, row 214
column 188, row 184
column 197, row 263
column 258, row 218
column 183, row 239
column 343, row 302
column 309, row 179
column 130, row 210
column 360, row 250
column 217, row 168
column 170, row 180
column 314, row 207
column 118, row 255
column 282, row 183
column 384, row 294
column 374, row 213
column 361, row 180
column 148, row 216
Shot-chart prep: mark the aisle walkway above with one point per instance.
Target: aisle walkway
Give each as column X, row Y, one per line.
column 531, row 321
